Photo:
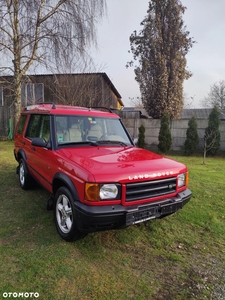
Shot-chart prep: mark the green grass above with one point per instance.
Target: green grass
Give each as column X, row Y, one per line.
column 178, row 257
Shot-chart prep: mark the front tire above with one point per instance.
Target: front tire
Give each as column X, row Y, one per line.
column 25, row 180
column 64, row 215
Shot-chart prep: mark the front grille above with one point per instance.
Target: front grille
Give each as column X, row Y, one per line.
column 150, row 189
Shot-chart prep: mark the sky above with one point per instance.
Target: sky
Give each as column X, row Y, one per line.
column 205, row 21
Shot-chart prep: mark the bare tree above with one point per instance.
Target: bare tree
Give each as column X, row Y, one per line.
column 45, row 32
column 216, row 96
column 80, row 90
column 136, row 102
column 188, row 101
column 210, row 140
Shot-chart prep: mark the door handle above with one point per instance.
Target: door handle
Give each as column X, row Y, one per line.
column 33, row 148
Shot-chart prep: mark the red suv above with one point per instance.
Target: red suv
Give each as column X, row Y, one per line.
column 97, row 178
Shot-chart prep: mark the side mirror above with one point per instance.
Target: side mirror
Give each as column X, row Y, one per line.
column 39, row 142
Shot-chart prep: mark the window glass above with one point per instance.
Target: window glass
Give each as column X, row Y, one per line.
column 39, row 126
column 45, row 128
column 32, row 93
column 115, row 128
column 32, row 131
column 21, row 124
column 88, row 128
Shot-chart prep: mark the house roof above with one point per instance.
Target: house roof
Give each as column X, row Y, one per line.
column 199, row 113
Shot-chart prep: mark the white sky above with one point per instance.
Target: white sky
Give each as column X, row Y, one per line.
column 204, row 20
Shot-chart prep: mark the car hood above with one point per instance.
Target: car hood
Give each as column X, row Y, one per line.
column 122, row 164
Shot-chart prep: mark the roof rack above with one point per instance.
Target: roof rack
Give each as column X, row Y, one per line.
column 53, row 104
column 101, row 107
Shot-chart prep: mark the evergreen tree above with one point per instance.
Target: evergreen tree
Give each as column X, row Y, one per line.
column 192, row 138
column 212, row 133
column 165, row 138
column 141, row 136
column 160, row 49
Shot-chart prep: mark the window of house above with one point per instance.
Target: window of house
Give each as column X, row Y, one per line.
column 1, row 96
column 32, row 93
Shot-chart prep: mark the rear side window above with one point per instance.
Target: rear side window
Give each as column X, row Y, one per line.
column 39, row 126
column 21, row 124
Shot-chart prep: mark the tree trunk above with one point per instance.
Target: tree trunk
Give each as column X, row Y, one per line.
column 17, row 99
column 204, row 153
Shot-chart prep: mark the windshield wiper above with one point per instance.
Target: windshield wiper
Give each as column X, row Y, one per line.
column 96, row 143
column 112, row 142
column 79, row 143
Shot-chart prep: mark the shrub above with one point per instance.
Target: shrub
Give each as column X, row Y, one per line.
column 192, row 138
column 165, row 139
column 212, row 133
column 141, row 136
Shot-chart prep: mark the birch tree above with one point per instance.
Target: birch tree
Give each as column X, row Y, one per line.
column 159, row 52
column 45, row 33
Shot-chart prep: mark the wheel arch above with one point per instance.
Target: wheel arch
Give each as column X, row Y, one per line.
column 60, row 179
column 21, row 154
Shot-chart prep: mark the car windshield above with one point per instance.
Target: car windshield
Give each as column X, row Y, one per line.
column 88, row 130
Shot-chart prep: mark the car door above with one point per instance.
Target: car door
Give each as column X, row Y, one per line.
column 39, row 158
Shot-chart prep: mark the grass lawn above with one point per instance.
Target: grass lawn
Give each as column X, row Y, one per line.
column 178, row 257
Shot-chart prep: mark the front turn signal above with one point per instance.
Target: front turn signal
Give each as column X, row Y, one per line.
column 92, row 192
column 187, row 179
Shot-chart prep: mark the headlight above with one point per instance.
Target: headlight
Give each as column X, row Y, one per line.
column 182, row 179
column 97, row 192
column 108, row 191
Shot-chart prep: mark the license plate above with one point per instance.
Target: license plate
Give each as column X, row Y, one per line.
column 145, row 214
column 141, row 215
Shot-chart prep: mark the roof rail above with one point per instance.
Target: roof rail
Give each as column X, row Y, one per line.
column 101, row 107
column 53, row 104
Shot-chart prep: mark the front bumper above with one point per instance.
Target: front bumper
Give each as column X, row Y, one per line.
column 96, row 218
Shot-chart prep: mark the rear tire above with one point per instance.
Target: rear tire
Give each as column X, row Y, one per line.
column 64, row 215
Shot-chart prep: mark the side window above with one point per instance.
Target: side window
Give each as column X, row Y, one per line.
column 21, row 124
column 45, row 127
column 32, row 130
column 39, row 126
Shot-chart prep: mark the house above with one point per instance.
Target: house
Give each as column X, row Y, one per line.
column 80, row 89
